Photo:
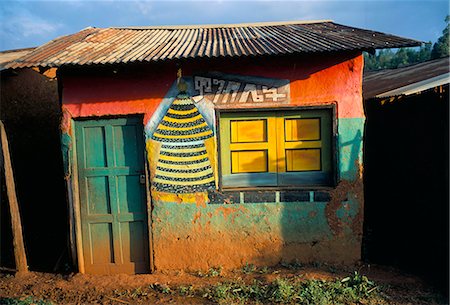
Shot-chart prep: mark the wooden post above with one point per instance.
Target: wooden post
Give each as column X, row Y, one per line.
column 19, row 247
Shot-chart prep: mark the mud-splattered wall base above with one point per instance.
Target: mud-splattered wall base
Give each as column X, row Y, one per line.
column 200, row 237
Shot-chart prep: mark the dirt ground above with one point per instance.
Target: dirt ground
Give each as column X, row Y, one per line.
column 177, row 287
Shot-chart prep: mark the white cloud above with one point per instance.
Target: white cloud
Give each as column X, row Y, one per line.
column 19, row 26
column 143, row 7
column 32, row 25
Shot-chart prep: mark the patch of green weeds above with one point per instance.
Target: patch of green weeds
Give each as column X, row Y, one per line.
column 248, row 268
column 187, row 291
column 215, row 271
column 280, row 291
column 161, row 288
column 264, row 270
column 119, row 293
column 138, row 293
column 360, row 284
column 354, row 289
column 212, row 272
column 23, row 301
column 236, row 292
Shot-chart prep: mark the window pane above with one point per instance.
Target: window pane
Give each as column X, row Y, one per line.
column 302, row 129
column 249, row 131
column 254, row 161
column 303, row 160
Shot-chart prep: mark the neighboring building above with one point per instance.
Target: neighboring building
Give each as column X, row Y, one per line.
column 252, row 154
column 406, row 168
column 30, row 110
column 409, row 80
column 8, row 56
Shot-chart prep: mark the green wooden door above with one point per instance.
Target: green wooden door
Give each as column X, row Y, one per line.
column 110, row 157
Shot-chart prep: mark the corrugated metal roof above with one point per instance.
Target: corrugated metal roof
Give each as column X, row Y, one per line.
column 406, row 80
column 149, row 44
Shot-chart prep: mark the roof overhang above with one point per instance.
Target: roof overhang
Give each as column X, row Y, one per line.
column 104, row 46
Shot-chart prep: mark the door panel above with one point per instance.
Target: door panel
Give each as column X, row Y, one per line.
column 130, row 196
column 127, row 146
column 97, row 195
column 110, row 156
column 95, row 146
column 102, row 248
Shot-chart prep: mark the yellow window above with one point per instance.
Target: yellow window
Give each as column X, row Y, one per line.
column 276, row 148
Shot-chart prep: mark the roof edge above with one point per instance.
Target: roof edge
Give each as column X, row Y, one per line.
column 419, row 86
column 431, row 60
column 18, row 50
column 226, row 25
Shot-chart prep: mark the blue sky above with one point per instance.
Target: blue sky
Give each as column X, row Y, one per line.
column 32, row 23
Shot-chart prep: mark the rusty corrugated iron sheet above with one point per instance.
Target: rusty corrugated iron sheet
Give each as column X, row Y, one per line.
column 149, row 44
column 377, row 83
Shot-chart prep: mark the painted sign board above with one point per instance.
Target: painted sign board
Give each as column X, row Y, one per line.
column 236, row 90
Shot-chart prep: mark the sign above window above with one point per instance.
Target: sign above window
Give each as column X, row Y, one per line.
column 235, row 90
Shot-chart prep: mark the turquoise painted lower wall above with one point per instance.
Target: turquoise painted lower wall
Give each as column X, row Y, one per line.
column 307, row 221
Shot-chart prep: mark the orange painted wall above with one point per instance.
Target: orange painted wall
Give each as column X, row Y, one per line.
column 315, row 80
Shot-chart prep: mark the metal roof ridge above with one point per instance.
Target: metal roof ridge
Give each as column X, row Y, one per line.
column 226, row 25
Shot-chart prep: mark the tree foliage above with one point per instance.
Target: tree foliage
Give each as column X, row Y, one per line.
column 388, row 59
column 441, row 47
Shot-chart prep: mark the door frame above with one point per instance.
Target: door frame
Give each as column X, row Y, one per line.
column 74, row 193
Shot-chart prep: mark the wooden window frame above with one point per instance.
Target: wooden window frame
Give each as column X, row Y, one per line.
column 259, row 112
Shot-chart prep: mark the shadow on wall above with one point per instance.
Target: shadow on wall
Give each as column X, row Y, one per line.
column 406, row 184
column 326, row 226
column 31, row 113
